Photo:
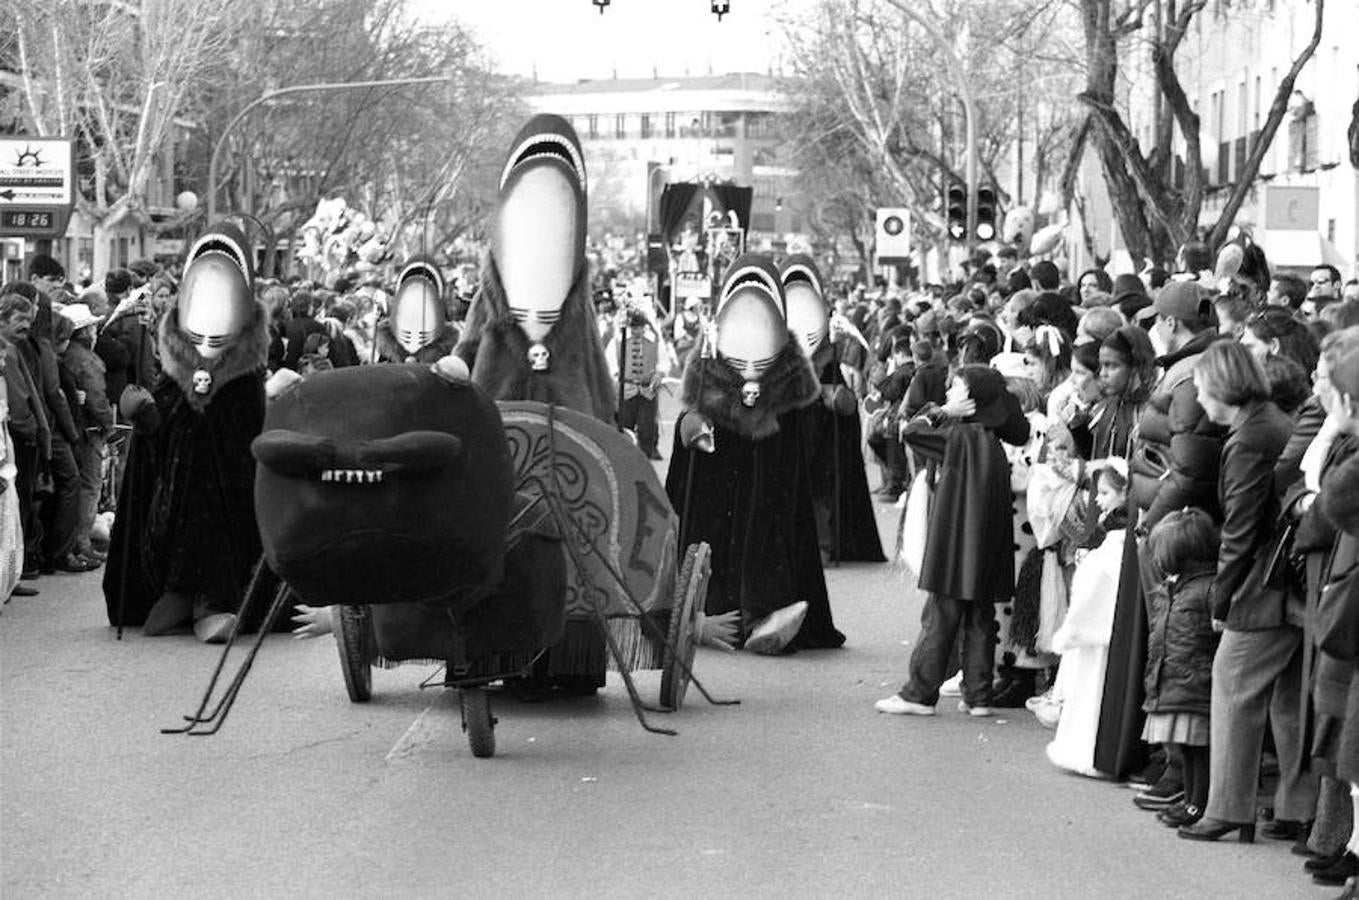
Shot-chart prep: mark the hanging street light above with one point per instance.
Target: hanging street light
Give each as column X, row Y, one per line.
column 721, row 8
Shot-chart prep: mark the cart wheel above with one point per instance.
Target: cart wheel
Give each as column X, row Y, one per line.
column 353, row 630
column 691, row 594
column 478, row 722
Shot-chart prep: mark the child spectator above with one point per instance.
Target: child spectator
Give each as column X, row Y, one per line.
column 1083, row 639
column 968, row 564
column 1180, row 647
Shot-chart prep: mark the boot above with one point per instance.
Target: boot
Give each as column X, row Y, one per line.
column 1014, row 687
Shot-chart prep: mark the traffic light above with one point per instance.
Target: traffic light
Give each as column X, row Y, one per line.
column 955, row 205
column 986, row 213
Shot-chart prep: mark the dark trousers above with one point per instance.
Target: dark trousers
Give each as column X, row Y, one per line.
column 26, row 464
column 639, row 414
column 892, row 455
column 60, row 509
column 941, row 620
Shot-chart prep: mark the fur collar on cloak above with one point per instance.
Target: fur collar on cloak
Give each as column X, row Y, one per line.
column 496, row 350
column 179, row 359
column 388, row 350
column 713, row 388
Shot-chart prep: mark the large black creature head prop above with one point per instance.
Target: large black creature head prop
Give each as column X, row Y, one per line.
column 384, row 484
column 216, row 300
column 808, row 315
column 751, row 330
column 417, row 311
column 538, row 242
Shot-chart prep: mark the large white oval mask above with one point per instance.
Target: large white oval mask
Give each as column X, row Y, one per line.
column 750, row 332
column 807, row 315
column 536, row 246
column 214, row 304
column 418, row 316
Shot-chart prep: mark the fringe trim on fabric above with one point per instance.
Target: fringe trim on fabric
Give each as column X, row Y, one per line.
column 1028, row 602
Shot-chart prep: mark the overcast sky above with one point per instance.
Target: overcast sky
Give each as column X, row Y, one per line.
column 571, row 39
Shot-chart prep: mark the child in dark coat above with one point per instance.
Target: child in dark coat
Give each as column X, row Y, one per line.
column 1180, row 648
column 968, row 562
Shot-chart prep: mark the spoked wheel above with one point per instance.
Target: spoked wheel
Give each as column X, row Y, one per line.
column 353, row 637
column 691, row 593
column 478, row 722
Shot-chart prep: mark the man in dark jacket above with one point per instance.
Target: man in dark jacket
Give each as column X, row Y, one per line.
column 297, row 328
column 1175, row 458
column 125, row 342
column 50, row 537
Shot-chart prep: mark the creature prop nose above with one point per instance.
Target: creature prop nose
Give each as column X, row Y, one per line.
column 302, row 455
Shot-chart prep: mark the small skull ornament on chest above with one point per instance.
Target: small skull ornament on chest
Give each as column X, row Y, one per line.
column 538, row 358
column 202, row 381
column 750, row 393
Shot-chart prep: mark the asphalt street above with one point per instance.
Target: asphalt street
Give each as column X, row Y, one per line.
column 801, row 790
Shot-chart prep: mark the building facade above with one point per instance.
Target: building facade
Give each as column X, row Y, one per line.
column 640, row 134
column 1303, row 204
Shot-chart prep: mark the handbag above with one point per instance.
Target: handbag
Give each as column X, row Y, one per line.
column 915, row 523
column 1284, row 569
column 1337, row 618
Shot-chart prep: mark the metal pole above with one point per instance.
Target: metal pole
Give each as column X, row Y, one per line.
column 294, row 89
column 955, row 66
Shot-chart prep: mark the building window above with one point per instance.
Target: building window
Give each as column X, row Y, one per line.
column 1302, row 138
column 1330, row 230
column 646, row 125
column 619, row 129
column 669, row 124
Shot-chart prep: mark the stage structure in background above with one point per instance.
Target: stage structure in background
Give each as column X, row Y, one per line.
column 703, row 227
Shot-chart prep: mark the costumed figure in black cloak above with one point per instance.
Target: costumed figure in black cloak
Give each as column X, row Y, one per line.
column 416, row 328
column 184, row 540
column 531, row 334
column 738, row 478
column 845, row 523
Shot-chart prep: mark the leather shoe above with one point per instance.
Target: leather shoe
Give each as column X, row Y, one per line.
column 1179, row 814
column 1346, row 867
column 1324, row 862
column 1153, row 799
column 23, row 590
column 1285, row 830
column 1216, row 830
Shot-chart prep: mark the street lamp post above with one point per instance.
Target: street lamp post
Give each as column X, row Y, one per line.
column 955, row 66
column 282, row 92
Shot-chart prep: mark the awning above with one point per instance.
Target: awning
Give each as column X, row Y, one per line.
column 1300, row 250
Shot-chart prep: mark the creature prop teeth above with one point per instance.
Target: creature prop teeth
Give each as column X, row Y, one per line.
column 352, row 476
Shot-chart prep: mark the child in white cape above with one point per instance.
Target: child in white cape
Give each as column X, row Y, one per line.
column 1083, row 639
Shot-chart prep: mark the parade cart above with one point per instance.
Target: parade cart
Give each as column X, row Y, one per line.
column 592, row 533
column 444, row 528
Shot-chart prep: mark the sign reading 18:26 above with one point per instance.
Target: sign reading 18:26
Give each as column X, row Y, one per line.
column 36, row 187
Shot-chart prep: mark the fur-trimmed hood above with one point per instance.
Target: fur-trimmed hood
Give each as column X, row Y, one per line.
column 496, row 349
column 179, row 359
column 713, row 387
column 388, row 350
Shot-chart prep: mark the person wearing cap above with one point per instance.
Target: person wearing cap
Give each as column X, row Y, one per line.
column 1175, row 459
column 968, row 561
column 94, row 419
